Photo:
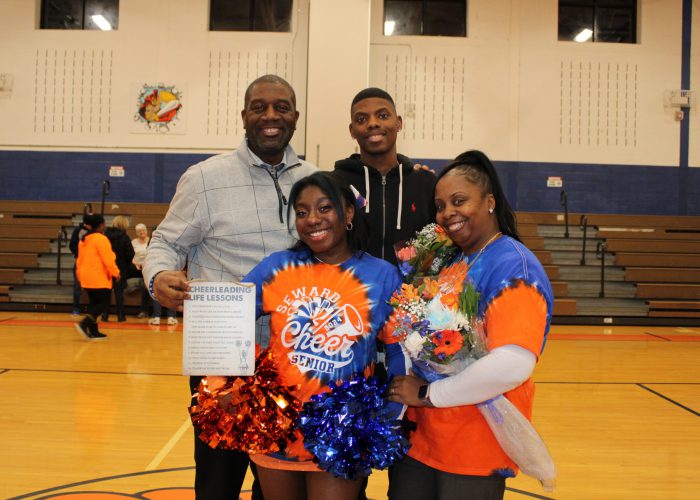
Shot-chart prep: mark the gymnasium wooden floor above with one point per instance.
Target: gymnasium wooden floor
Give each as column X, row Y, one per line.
column 618, row 407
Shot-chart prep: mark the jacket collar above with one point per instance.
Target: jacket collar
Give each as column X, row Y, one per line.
column 247, row 157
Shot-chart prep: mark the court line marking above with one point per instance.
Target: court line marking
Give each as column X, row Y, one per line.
column 529, row 494
column 589, row 382
column 98, row 372
column 97, row 480
column 690, row 410
column 659, row 337
column 169, row 445
column 107, row 325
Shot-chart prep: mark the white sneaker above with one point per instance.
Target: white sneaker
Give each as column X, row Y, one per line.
column 172, row 321
column 154, row 321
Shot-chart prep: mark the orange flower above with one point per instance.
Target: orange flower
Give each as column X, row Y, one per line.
column 441, row 236
column 447, row 342
column 409, row 292
column 449, row 300
column 430, row 289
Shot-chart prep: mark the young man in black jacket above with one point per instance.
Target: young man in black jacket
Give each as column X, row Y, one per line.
column 397, row 197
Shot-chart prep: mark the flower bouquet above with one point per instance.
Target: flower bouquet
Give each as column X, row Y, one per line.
column 436, row 320
column 425, row 254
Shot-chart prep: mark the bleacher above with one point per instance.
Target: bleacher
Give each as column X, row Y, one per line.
column 31, row 275
column 652, row 266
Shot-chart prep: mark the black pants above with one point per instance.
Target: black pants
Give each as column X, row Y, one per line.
column 410, row 479
column 119, row 287
column 99, row 301
column 219, row 474
column 76, row 291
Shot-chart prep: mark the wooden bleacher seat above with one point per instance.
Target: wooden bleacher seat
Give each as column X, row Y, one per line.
column 544, row 256
column 666, row 222
column 647, row 259
column 533, row 242
column 23, row 260
column 564, row 307
column 663, row 274
column 560, row 289
column 668, row 291
column 525, row 230
column 11, row 276
column 5, row 293
column 650, row 234
column 674, row 308
column 31, row 232
column 552, row 272
column 19, row 220
column 691, row 222
column 25, row 245
column 653, row 246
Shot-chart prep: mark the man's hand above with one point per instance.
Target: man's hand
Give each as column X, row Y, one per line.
column 170, row 289
column 418, row 166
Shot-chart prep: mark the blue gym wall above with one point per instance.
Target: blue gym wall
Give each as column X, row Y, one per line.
column 152, row 177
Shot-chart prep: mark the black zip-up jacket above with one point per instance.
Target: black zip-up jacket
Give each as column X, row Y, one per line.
column 124, row 250
column 412, row 192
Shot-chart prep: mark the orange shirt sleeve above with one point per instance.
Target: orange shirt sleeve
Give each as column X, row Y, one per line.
column 517, row 316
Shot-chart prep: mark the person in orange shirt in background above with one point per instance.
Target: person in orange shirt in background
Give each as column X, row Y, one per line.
column 96, row 267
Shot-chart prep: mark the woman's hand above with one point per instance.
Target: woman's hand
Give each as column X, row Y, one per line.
column 404, row 389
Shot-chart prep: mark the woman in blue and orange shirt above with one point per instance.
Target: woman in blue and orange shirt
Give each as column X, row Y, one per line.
column 328, row 303
column 454, row 454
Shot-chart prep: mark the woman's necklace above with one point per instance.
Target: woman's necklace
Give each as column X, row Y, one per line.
column 328, row 263
column 491, row 240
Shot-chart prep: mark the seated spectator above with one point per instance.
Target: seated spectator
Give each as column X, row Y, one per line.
column 140, row 244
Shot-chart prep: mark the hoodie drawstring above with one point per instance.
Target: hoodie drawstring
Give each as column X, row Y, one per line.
column 366, row 188
column 281, row 199
column 398, row 212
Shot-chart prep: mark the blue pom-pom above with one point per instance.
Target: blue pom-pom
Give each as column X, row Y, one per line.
column 351, row 430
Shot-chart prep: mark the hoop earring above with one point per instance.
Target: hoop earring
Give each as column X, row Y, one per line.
column 349, row 226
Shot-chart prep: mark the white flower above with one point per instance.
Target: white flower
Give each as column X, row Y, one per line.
column 440, row 317
column 414, row 344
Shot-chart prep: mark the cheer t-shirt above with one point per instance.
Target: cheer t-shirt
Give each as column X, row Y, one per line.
column 324, row 322
column 516, row 303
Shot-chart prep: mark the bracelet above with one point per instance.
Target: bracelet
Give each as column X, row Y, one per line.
column 150, row 287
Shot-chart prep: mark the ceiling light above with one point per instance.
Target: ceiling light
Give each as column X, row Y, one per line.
column 389, row 27
column 584, row 35
column 101, row 22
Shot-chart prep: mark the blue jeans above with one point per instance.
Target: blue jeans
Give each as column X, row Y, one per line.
column 157, row 310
